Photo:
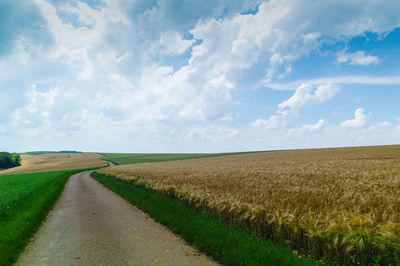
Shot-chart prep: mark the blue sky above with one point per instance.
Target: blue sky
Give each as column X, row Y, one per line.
column 198, row 76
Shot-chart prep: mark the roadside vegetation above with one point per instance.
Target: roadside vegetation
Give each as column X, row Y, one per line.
column 341, row 205
column 25, row 200
column 8, row 160
column 227, row 244
column 131, row 158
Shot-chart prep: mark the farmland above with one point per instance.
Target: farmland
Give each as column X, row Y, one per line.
column 130, row 158
column 25, row 200
column 226, row 243
column 43, row 162
column 340, row 204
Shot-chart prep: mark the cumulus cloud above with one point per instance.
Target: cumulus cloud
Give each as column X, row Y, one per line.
column 356, row 58
column 159, row 64
column 305, row 94
column 260, row 123
column 314, row 127
column 359, row 120
column 309, row 128
column 172, row 43
column 275, row 121
column 130, row 41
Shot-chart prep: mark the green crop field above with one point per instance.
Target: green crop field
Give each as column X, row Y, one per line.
column 25, row 200
column 130, row 158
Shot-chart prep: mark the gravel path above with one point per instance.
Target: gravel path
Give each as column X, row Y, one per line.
column 91, row 225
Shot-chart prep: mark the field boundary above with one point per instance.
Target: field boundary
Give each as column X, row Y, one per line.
column 226, row 243
column 134, row 158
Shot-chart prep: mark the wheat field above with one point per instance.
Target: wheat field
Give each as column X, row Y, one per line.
column 340, row 204
column 45, row 162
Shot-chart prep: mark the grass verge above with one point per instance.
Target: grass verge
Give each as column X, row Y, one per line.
column 25, row 200
column 130, row 158
column 226, row 243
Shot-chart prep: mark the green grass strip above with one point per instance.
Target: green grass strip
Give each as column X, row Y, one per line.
column 28, row 198
column 226, row 243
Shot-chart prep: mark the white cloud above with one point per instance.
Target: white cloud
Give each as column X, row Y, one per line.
column 397, row 118
column 260, row 123
column 356, row 58
column 304, row 94
column 38, row 109
column 275, row 121
column 220, row 67
column 172, row 43
column 359, row 120
column 313, row 127
column 116, row 61
column 307, row 128
column 85, row 13
column 75, row 44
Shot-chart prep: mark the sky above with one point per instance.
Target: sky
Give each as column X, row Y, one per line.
column 198, row 76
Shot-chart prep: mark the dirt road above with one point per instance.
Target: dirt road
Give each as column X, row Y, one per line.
column 91, row 225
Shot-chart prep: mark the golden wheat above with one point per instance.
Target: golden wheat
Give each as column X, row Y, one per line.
column 328, row 202
column 55, row 161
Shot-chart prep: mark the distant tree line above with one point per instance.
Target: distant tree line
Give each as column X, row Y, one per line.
column 8, row 160
column 39, row 152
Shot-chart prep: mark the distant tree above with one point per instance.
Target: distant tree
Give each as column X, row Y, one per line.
column 8, row 160
column 17, row 160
